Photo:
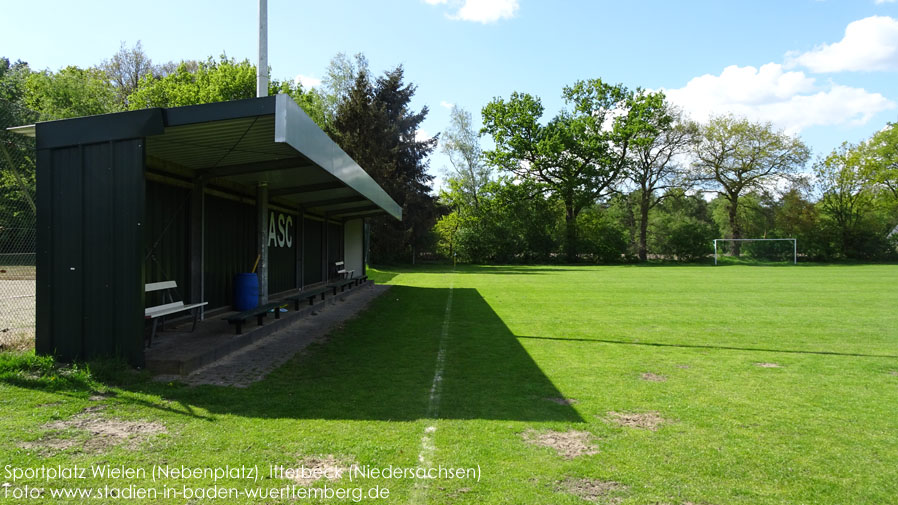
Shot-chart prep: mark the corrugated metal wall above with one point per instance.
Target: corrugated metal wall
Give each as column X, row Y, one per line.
column 230, row 247
column 166, row 232
column 90, row 244
column 334, row 247
column 311, row 244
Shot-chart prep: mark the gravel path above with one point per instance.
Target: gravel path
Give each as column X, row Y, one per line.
column 254, row 362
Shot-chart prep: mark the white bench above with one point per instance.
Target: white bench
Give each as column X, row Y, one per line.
column 157, row 313
column 341, row 270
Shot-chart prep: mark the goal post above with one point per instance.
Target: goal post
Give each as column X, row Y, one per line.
column 794, row 245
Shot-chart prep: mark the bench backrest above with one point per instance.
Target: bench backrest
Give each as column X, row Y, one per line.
column 159, row 286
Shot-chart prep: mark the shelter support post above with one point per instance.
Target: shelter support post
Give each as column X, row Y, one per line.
column 262, row 208
column 325, row 271
column 196, row 242
column 300, row 231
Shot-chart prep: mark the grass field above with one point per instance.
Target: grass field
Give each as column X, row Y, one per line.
column 630, row 385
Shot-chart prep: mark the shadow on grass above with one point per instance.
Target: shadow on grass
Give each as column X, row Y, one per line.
column 478, row 269
column 718, row 347
column 381, row 366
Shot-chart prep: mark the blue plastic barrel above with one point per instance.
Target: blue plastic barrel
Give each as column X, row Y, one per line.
column 246, row 291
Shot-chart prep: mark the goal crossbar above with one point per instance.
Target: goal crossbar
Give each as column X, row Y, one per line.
column 794, row 245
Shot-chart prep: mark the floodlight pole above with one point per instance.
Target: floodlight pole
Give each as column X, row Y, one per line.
column 262, row 68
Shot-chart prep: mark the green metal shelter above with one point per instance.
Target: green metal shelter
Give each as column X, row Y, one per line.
column 193, row 194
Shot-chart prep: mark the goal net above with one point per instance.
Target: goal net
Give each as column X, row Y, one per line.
column 771, row 249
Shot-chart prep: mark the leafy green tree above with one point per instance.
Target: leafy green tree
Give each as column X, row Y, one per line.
column 735, row 156
column 580, row 154
column 849, row 204
column 882, row 158
column 71, row 92
column 603, row 239
column 797, row 217
column 682, row 227
column 212, row 81
column 655, row 161
column 13, row 78
column 126, row 69
column 462, row 144
column 338, row 81
column 17, row 203
column 376, row 126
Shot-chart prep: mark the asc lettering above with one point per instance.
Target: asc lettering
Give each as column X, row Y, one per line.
column 280, row 230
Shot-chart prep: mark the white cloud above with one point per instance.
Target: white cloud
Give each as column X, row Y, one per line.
column 789, row 99
column 880, row 2
column 479, row 11
column 422, row 135
column 307, row 82
column 869, row 44
column 446, row 104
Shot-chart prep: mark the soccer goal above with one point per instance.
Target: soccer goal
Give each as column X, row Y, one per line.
column 794, row 245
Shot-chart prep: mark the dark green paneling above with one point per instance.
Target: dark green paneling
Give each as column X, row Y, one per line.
column 282, row 252
column 334, row 247
column 230, row 247
column 99, row 129
column 165, row 238
column 311, row 244
column 90, row 286
column 67, row 270
column 44, row 330
column 130, row 211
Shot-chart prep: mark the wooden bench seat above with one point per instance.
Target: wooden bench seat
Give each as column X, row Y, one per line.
column 309, row 294
column 342, row 284
column 157, row 313
column 258, row 312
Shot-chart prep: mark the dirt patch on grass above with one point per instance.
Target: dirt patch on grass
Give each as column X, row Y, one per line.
column 684, row 367
column 562, row 401
column 769, row 365
column 314, row 468
column 568, row 444
column 594, row 490
column 643, row 421
column 894, row 373
column 91, row 432
column 653, row 377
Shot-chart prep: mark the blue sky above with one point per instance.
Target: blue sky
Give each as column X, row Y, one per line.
column 825, row 70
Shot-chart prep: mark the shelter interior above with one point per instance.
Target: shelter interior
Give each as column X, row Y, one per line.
column 191, row 194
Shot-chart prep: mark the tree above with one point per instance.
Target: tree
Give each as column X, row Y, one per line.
column 126, row 69
column 71, row 92
column 211, row 81
column 847, row 196
column 462, row 144
column 654, row 166
column 376, row 126
column 734, row 156
column 882, row 157
column 580, row 154
column 338, row 81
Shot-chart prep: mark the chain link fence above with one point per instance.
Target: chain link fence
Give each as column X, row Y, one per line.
column 17, row 231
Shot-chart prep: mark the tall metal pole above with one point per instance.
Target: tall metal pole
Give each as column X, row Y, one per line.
column 794, row 251
column 262, row 68
column 715, row 252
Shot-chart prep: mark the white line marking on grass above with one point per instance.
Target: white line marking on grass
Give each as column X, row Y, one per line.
column 433, row 403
